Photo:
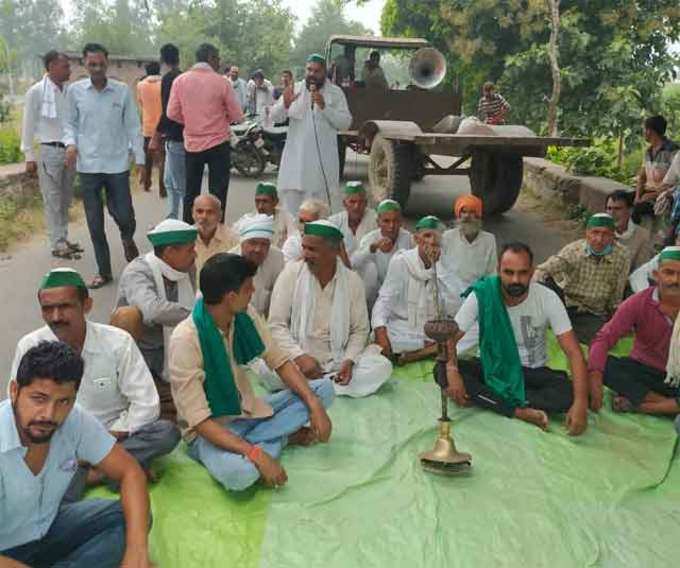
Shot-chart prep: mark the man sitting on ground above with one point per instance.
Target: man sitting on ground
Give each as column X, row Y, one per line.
column 318, row 314
column 646, row 381
column 267, row 203
column 213, row 236
column 636, row 239
column 256, row 245
column 407, row 297
column 643, row 277
column 356, row 220
column 162, row 284
column 511, row 377
column 377, row 248
column 237, row 436
column 467, row 251
column 117, row 387
column 310, row 210
column 591, row 274
column 43, row 436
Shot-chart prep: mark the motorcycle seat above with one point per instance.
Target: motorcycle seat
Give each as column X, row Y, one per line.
column 276, row 132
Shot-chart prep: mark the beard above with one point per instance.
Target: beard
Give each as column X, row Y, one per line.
column 515, row 290
column 26, row 430
column 470, row 227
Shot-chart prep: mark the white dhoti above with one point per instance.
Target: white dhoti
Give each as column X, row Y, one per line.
column 369, row 373
column 405, row 338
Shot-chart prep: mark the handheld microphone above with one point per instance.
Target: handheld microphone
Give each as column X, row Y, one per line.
column 312, row 89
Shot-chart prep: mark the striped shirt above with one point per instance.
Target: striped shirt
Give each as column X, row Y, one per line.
column 492, row 109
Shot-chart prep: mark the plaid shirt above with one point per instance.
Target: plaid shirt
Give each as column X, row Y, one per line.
column 656, row 164
column 590, row 283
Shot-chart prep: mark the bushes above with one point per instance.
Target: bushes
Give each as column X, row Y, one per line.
column 597, row 160
column 9, row 145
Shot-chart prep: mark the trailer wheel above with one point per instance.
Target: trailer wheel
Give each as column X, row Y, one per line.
column 389, row 170
column 496, row 178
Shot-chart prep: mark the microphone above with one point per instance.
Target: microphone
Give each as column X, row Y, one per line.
column 312, row 89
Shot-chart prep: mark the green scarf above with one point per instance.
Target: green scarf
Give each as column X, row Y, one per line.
column 497, row 347
column 219, row 385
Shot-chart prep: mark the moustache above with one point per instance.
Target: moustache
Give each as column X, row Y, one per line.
column 42, row 424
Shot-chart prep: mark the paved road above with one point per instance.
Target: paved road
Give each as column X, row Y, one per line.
column 23, row 266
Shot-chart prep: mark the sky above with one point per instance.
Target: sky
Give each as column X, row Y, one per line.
column 368, row 13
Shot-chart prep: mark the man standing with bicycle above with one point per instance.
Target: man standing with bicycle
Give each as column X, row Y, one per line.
column 317, row 110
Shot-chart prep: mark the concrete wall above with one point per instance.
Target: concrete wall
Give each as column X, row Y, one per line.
column 15, row 183
column 547, row 179
column 126, row 69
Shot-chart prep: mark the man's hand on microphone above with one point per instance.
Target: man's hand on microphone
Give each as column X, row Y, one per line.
column 317, row 97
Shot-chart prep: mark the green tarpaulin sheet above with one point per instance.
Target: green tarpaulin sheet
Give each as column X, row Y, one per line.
column 608, row 498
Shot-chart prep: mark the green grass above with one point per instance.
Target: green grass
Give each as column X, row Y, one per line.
column 9, row 144
column 19, row 219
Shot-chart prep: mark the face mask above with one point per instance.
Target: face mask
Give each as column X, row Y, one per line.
column 604, row 252
column 516, row 290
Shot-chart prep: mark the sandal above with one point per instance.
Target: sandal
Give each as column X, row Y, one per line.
column 75, row 247
column 62, row 253
column 98, row 281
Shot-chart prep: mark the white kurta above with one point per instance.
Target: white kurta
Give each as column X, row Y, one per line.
column 264, row 278
column 301, row 170
column 469, row 261
column 392, row 309
column 369, row 222
column 370, row 370
column 117, row 387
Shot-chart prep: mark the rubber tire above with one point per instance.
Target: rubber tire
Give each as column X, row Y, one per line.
column 396, row 183
column 496, row 178
column 255, row 155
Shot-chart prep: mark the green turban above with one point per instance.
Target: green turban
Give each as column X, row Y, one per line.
column 354, row 187
column 172, row 232
column 669, row 253
column 323, row 228
column 601, row 220
column 428, row 223
column 388, row 205
column 59, row 277
column 316, row 58
column 266, row 188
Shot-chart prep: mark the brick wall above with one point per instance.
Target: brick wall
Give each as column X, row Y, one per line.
column 126, row 69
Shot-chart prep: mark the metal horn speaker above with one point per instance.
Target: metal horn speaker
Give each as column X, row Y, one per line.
column 427, row 68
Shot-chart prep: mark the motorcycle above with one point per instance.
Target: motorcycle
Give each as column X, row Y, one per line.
column 254, row 146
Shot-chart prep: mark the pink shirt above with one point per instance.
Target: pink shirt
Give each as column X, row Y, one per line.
column 642, row 315
column 205, row 103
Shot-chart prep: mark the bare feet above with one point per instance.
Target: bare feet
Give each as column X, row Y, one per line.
column 622, row 404
column 303, row 437
column 533, row 416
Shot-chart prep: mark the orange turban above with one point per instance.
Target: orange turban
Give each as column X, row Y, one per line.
column 469, row 202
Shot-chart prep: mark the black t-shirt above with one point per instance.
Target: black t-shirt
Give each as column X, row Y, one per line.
column 169, row 128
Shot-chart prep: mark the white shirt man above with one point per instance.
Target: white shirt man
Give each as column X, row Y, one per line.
column 267, row 203
column 372, row 257
column 324, row 323
column 310, row 165
column 256, row 233
column 356, row 220
column 44, row 115
column 407, row 298
column 310, row 210
column 468, row 252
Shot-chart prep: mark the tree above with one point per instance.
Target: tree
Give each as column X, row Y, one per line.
column 614, row 55
column 553, row 55
column 327, row 19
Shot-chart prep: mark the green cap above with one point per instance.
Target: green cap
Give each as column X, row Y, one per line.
column 388, row 205
column 429, row 222
column 316, row 58
column 266, row 188
column 354, row 187
column 58, row 277
column 601, row 220
column 172, row 232
column 669, row 253
column 323, row 228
